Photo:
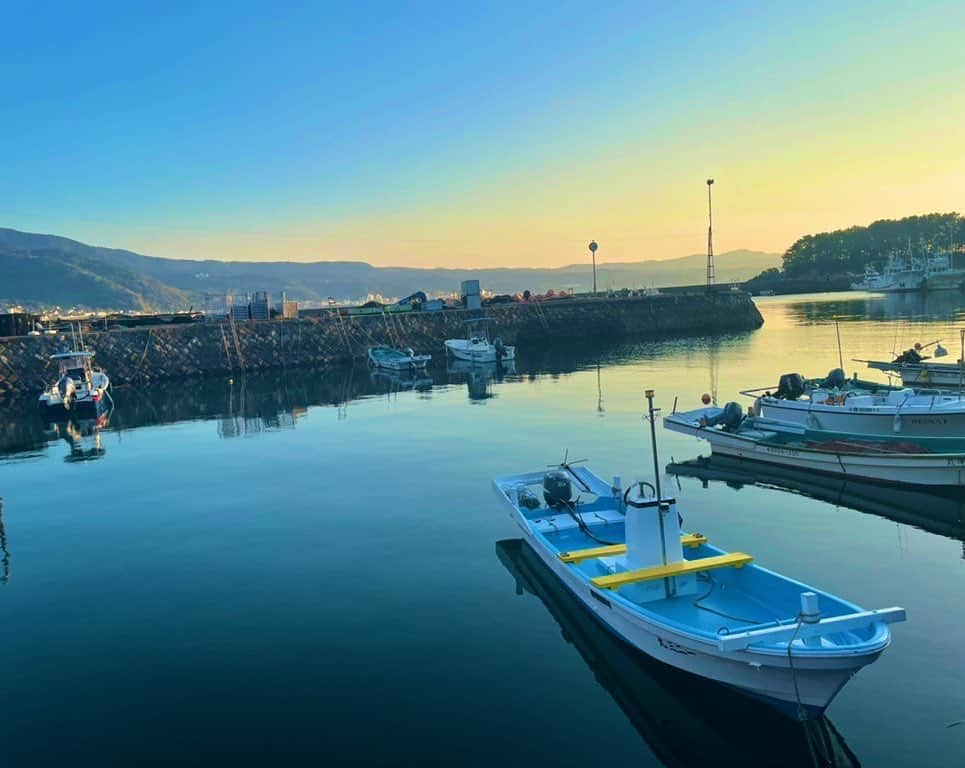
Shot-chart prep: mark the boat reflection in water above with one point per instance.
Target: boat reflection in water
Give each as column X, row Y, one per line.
column 392, row 382
column 685, row 719
column 479, row 376
column 84, row 437
column 936, row 510
column 4, row 552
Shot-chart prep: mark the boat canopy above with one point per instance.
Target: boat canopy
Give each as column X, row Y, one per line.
column 66, row 355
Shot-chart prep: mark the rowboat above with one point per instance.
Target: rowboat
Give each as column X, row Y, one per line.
column 887, row 458
column 396, row 359
column 685, row 602
column 674, row 596
column 682, row 717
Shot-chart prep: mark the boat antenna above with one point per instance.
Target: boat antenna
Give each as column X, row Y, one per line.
column 837, row 330
column 653, row 439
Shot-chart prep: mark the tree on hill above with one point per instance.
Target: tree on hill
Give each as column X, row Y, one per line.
column 851, row 250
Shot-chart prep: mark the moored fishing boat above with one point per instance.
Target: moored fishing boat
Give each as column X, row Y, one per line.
column 917, row 369
column 396, row 359
column 889, row 458
column 676, row 597
column 477, row 346
column 682, row 717
column 79, row 389
column 856, row 411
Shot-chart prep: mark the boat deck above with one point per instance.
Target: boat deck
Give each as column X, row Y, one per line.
column 716, row 602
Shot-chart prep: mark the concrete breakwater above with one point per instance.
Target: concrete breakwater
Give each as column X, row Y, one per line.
column 173, row 352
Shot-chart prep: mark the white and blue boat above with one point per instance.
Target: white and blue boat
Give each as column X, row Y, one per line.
column 895, row 459
column 397, row 359
column 676, row 597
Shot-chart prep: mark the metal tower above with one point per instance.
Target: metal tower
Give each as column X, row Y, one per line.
column 711, row 276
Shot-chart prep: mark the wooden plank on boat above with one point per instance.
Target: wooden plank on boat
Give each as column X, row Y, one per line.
column 731, row 560
column 738, row 641
column 579, row 555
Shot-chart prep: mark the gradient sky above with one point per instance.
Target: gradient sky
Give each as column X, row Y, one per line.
column 457, row 134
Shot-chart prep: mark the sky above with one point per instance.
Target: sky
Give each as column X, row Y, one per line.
column 483, row 134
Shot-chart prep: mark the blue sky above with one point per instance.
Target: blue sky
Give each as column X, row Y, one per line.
column 461, row 134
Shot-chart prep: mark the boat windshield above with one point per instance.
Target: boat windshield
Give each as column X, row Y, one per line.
column 77, row 373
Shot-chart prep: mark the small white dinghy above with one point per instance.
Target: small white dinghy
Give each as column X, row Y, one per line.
column 397, row 360
column 674, row 596
column 477, row 347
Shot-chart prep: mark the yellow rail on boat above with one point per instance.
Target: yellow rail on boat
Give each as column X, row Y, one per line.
column 615, row 580
column 579, row 555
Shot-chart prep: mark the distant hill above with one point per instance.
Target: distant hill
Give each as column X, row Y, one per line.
column 47, row 269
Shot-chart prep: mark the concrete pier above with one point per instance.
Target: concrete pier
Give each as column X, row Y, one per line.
column 183, row 351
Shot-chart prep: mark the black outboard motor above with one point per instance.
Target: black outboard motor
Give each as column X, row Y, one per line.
column 729, row 418
column 790, row 387
column 557, row 489
column 836, row 379
column 500, row 348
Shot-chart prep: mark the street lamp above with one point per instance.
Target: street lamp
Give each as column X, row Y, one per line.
column 710, row 238
column 593, row 247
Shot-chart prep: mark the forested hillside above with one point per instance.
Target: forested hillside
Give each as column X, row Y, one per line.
column 850, row 250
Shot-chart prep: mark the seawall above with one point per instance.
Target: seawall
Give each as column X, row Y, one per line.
column 182, row 351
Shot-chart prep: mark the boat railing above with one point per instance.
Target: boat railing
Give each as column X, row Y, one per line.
column 738, row 641
column 757, row 392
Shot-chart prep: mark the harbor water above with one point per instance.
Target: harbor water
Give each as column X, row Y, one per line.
column 310, row 566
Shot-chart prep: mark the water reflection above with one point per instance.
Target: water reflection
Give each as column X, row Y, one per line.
column 479, row 377
column 270, row 401
column 84, row 438
column 4, row 552
column 938, row 510
column 686, row 720
column 935, row 305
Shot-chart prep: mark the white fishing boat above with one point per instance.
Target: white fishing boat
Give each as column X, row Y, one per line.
column 683, row 718
column 855, row 411
column 890, row 459
column 917, row 369
column 674, row 596
column 80, row 389
column 477, row 347
column 396, row 359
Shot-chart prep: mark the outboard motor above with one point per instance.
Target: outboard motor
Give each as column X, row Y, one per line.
column 729, row 418
column 835, row 380
column 790, row 387
column 66, row 387
column 500, row 348
column 557, row 489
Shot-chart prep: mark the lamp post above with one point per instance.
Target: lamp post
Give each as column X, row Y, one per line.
column 593, row 247
column 710, row 237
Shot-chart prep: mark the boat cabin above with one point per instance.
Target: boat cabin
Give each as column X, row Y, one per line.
column 76, row 365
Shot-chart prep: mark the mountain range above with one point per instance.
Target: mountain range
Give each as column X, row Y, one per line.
column 39, row 270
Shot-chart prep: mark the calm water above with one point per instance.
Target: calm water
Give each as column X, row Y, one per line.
column 311, row 568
